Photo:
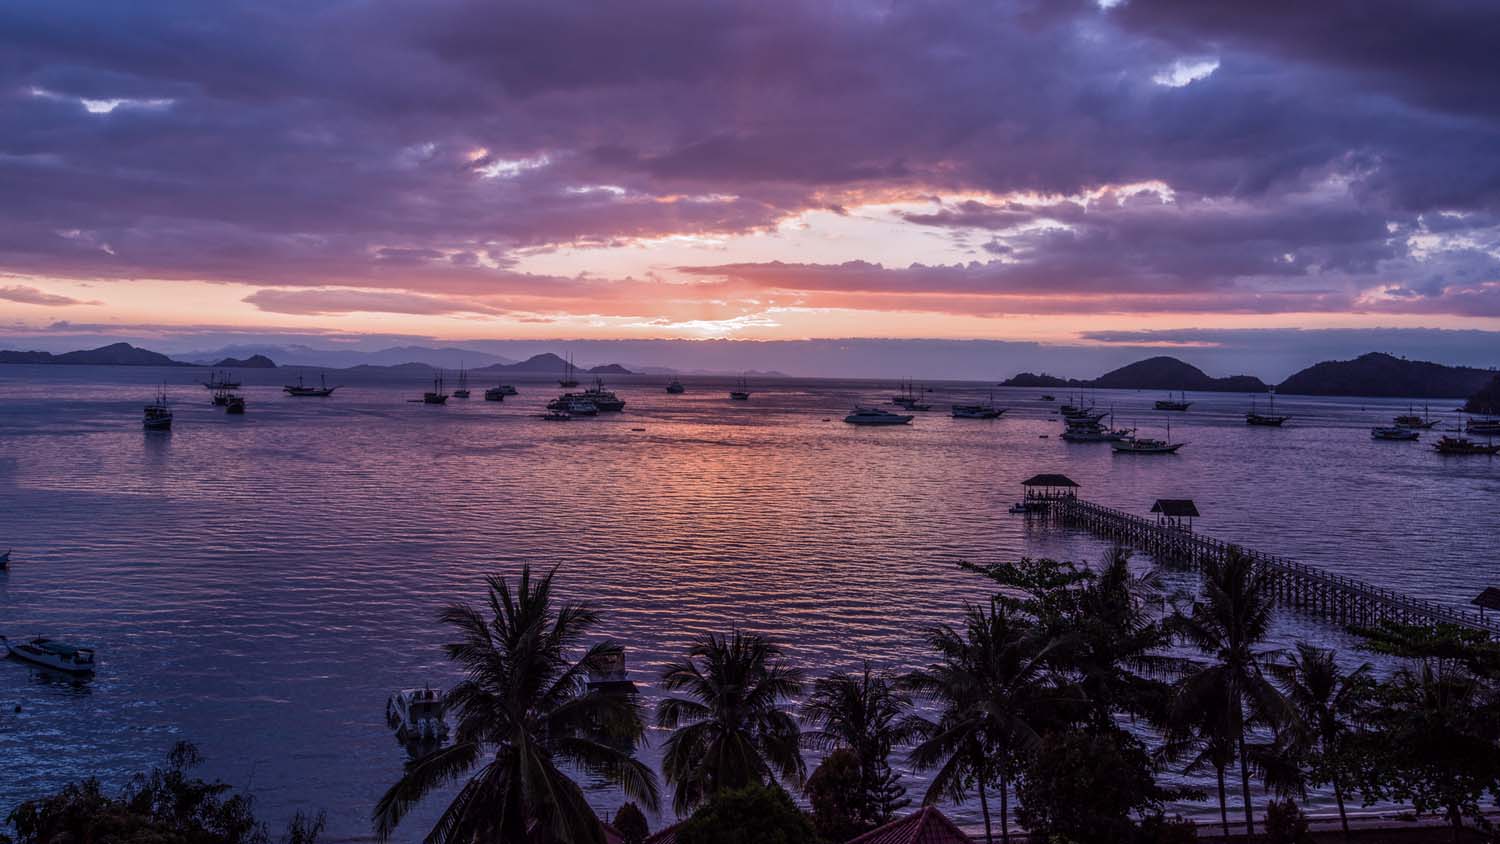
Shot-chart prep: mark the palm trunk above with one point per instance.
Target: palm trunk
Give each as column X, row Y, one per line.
column 984, row 808
column 1338, row 796
column 1456, row 818
column 1245, row 785
column 1004, row 804
column 1223, row 802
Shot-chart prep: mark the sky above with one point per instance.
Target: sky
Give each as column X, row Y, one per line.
column 1113, row 175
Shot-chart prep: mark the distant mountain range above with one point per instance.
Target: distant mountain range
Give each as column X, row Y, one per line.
column 548, row 362
column 299, row 355
column 252, row 362
column 1158, row 373
column 115, row 354
column 1381, row 375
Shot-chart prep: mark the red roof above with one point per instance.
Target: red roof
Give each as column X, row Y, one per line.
column 927, row 826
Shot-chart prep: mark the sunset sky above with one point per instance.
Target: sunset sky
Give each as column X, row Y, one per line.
column 462, row 169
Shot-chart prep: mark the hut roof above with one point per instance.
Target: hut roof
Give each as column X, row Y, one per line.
column 926, row 826
column 1488, row 599
column 1049, row 480
column 1175, row 507
column 665, row 836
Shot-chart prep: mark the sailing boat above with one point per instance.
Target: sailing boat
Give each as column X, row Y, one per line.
column 1146, row 445
column 158, row 414
column 1269, row 420
column 301, row 390
column 1411, row 420
column 742, row 392
column 568, row 380
column 1168, row 404
column 437, row 396
column 463, row 383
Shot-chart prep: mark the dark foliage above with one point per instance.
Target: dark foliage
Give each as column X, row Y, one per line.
column 630, row 822
column 754, row 815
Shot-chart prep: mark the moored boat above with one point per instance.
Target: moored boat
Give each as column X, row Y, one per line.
column 220, row 380
column 301, row 390
column 463, row 384
column 1393, row 433
column 876, row 416
column 1464, row 445
column 568, row 379
column 235, row 404
column 417, row 715
column 741, row 392
column 50, row 653
column 158, row 414
column 1147, row 445
column 1169, row 403
column 1487, row 427
column 1413, row 420
column 557, row 416
column 1265, row 420
column 499, row 392
column 676, row 388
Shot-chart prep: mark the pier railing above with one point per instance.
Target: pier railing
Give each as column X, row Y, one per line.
column 1333, row 596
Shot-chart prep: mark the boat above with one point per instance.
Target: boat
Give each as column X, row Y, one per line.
column 1169, row 404
column 158, row 415
column 741, row 391
column 604, row 400
column 557, row 416
column 568, row 380
column 910, row 398
column 573, row 406
column 301, row 390
column 1147, row 445
column 1028, row 507
column 49, row 653
column 876, row 416
column 1266, row 420
column 417, row 715
column 463, row 384
column 437, row 396
column 220, row 380
column 1487, row 427
column 5, row 561
column 499, row 392
column 1046, row 397
column 976, row 411
column 676, row 388
column 221, row 396
column 1096, row 433
column 1464, row 445
column 235, row 404
column 1412, row 420
column 1381, row 432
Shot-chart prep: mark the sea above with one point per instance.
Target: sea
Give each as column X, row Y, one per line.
column 260, row 584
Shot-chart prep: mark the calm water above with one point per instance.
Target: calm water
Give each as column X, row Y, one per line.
column 258, row 585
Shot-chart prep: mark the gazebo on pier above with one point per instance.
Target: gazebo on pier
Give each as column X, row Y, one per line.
column 1489, row 599
column 1042, row 488
column 1175, row 513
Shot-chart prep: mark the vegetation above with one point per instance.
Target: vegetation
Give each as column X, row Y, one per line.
column 1486, row 400
column 755, row 814
column 164, row 806
column 730, row 729
column 1377, row 374
column 525, row 718
column 1031, row 696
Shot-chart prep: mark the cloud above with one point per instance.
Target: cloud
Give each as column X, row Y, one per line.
column 27, row 295
column 331, row 301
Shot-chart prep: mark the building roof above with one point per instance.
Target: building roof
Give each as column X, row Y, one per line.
column 1488, row 599
column 1175, row 507
column 926, row 826
column 664, row 836
column 1049, row 480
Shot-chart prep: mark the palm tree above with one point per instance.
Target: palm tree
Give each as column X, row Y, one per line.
column 1204, row 735
column 729, row 730
column 866, row 714
column 991, row 682
column 1325, row 703
column 1230, row 619
column 524, row 711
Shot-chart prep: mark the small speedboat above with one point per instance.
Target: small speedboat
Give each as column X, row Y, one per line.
column 417, row 715
column 676, row 388
column 50, row 653
column 1028, row 507
column 1393, row 433
column 1464, row 445
column 876, row 416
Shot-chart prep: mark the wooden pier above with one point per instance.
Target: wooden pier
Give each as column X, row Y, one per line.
column 1332, row 596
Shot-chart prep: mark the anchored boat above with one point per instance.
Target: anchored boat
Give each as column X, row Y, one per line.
column 463, row 384
column 1393, row 433
column 301, row 390
column 676, row 388
column 158, row 415
column 1464, row 445
column 741, row 392
column 1266, row 420
column 417, row 715
column 49, row 653
column 1147, row 445
column 1169, row 403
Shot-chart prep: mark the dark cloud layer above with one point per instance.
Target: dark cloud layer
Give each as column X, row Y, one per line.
column 1340, row 157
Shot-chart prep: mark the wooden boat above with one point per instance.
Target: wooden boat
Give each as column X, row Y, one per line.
column 49, row 653
column 436, row 396
column 1487, row 427
column 498, row 393
column 158, row 415
column 1169, row 403
column 1147, row 445
column 235, row 405
column 742, row 391
column 676, row 388
column 1412, row 420
column 301, row 390
column 463, row 384
column 1266, row 420
column 1464, row 445
column 568, row 380
column 220, row 380
column 1393, row 434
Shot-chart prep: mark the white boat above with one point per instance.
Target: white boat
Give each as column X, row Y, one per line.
column 417, row 715
column 49, row 653
column 876, row 416
column 557, row 416
column 1394, row 432
column 573, row 406
column 1147, row 445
